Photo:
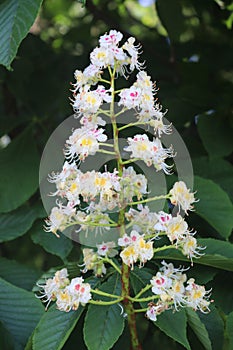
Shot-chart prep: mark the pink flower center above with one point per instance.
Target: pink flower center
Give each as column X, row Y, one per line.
column 77, row 287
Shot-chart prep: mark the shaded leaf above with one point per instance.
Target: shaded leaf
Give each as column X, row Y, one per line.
column 19, row 163
column 16, row 18
column 20, row 275
column 229, row 330
column 220, row 130
column 59, row 246
column 214, row 206
column 199, row 328
column 16, row 223
column 54, row 328
column 104, row 324
column 20, row 312
column 167, row 11
column 215, row 328
column 174, row 325
column 219, row 170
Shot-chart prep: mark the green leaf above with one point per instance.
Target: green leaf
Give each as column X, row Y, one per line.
column 215, row 327
column 229, row 330
column 174, row 325
column 6, row 341
column 83, row 2
column 217, row 254
column 214, row 206
column 54, row 328
column 59, row 246
column 216, row 135
column 19, row 163
column 199, row 328
column 16, row 223
column 139, row 278
column 20, row 275
column 219, row 170
column 170, row 13
column 104, row 324
column 16, row 18
column 20, row 312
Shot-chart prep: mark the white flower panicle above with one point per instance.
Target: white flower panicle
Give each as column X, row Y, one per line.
column 96, row 201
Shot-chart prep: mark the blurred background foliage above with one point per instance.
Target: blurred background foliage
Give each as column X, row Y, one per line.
column 188, row 46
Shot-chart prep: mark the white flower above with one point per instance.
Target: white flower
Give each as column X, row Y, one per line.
column 79, row 291
column 151, row 313
column 110, row 39
column 103, row 93
column 136, row 248
column 68, row 169
column 145, row 250
column 58, row 218
column 129, row 255
column 84, row 142
column 54, row 285
column 156, row 309
column 190, row 247
column 102, row 57
column 151, row 152
column 197, row 296
column 139, row 145
column 163, row 220
column 181, row 196
column 133, row 51
column 64, row 300
column 130, row 98
column 106, row 249
column 177, row 228
column 89, row 76
column 127, row 240
column 160, row 283
column 87, row 102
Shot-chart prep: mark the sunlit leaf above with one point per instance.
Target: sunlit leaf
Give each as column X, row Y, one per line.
column 16, row 18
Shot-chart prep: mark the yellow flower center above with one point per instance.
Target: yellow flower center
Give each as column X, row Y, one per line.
column 73, row 187
column 101, row 54
column 128, row 252
column 100, row 181
column 86, row 142
column 142, row 147
column 91, row 99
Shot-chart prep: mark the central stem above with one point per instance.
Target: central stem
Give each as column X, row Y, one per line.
column 135, row 345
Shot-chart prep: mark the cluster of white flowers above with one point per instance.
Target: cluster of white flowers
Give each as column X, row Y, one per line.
column 136, row 248
column 151, row 152
column 67, row 294
column 173, row 289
